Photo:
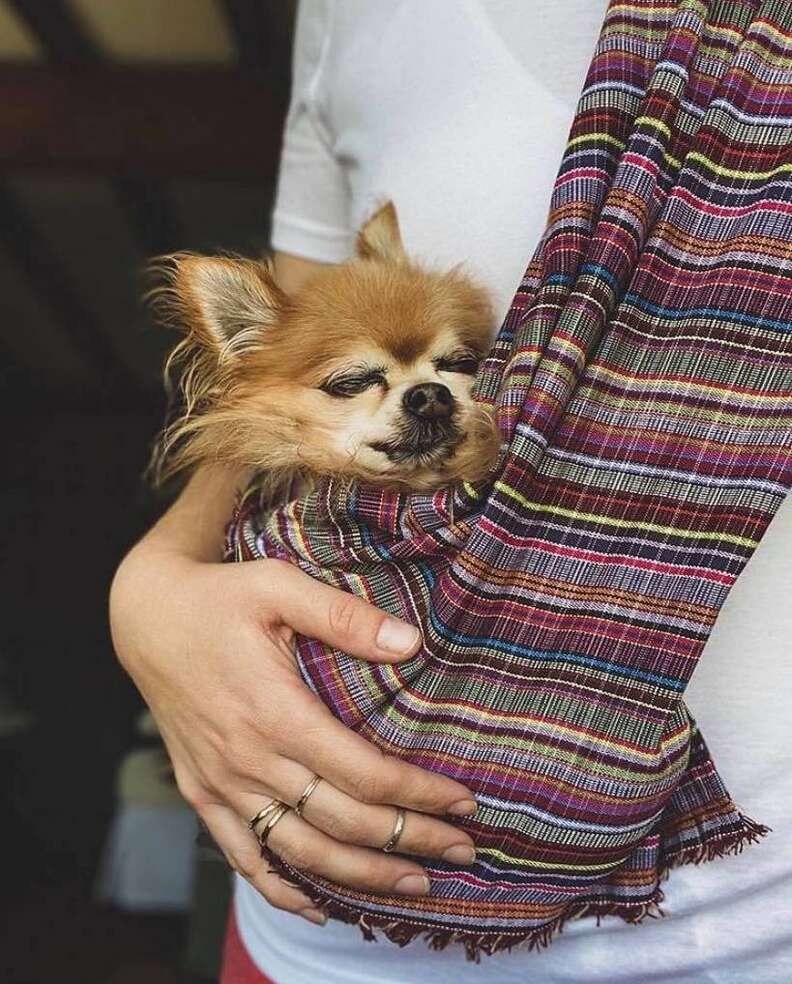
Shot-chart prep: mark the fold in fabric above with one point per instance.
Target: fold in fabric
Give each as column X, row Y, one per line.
column 642, row 381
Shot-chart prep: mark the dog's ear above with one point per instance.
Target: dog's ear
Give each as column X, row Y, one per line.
column 380, row 238
column 226, row 303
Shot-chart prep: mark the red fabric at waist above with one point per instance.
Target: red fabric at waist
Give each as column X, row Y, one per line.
column 238, row 968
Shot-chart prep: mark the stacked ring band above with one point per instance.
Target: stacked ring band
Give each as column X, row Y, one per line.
column 269, row 816
column 306, row 793
column 263, row 814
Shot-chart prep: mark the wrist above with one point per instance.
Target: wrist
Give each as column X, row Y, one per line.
column 144, row 587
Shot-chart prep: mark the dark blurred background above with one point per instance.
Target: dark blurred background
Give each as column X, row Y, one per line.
column 128, row 128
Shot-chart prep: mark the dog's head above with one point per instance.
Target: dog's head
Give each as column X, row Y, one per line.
column 365, row 371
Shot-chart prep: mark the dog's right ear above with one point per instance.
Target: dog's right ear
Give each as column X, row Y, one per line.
column 225, row 303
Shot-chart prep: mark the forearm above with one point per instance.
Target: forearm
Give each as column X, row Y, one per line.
column 193, row 526
column 191, row 532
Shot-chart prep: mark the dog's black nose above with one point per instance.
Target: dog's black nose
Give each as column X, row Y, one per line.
column 429, row 401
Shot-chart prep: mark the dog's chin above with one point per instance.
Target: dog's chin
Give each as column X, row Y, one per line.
column 465, row 450
column 420, row 460
column 420, row 446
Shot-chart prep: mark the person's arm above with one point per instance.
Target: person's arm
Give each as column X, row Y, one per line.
column 210, row 647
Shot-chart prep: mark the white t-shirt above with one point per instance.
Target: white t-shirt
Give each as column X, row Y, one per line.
column 459, row 110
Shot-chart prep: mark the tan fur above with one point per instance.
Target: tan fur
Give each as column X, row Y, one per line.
column 252, row 360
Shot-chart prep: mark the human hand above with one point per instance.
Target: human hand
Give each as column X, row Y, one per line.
column 211, row 648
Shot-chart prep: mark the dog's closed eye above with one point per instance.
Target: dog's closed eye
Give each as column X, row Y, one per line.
column 351, row 383
column 465, row 362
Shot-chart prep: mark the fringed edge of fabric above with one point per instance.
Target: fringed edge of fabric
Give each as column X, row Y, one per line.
column 750, row 832
column 403, row 932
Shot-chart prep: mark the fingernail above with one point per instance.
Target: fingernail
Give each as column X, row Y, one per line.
column 314, row 916
column 413, row 885
column 397, row 637
column 460, row 854
column 464, row 808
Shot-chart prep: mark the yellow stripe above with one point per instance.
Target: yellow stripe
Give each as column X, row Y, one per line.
column 296, row 528
column 653, row 121
column 541, row 727
column 544, row 865
column 606, row 138
column 728, row 172
column 656, row 384
column 741, row 541
column 536, row 744
column 636, row 8
column 473, row 493
column 674, row 411
column 659, row 125
column 592, row 137
column 766, row 27
column 781, row 61
column 696, row 5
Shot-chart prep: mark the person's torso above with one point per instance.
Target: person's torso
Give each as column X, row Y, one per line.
column 459, row 111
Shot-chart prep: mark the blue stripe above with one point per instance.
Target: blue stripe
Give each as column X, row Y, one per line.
column 747, row 319
column 551, row 656
column 600, row 271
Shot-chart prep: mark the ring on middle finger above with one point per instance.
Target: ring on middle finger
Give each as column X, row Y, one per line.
column 298, row 809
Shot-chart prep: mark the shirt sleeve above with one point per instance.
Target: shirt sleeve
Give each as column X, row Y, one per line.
column 310, row 218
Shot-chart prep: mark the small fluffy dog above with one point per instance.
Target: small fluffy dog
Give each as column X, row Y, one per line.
column 366, row 371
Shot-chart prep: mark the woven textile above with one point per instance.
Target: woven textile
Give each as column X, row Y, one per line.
column 642, row 381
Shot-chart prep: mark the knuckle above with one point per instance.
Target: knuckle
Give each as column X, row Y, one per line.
column 279, row 898
column 368, row 787
column 342, row 614
column 268, row 573
column 192, row 792
column 346, row 830
column 242, row 758
column 374, row 876
column 245, row 865
column 298, row 855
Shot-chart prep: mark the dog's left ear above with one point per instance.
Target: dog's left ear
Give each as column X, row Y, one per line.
column 380, row 238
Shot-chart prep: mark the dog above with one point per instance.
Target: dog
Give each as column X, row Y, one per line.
column 366, row 371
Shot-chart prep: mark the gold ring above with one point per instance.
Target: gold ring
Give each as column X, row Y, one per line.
column 306, row 793
column 393, row 840
column 263, row 814
column 280, row 811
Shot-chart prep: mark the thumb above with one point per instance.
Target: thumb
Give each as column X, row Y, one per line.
column 338, row 618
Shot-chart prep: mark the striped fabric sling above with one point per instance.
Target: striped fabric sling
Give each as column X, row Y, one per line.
column 642, row 381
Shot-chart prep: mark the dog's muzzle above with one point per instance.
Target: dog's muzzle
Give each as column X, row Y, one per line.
column 419, row 441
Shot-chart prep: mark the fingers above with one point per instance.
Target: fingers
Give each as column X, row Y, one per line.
column 355, row 766
column 351, row 822
column 243, row 854
column 338, row 618
column 308, row 849
column 371, row 826
column 327, row 747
